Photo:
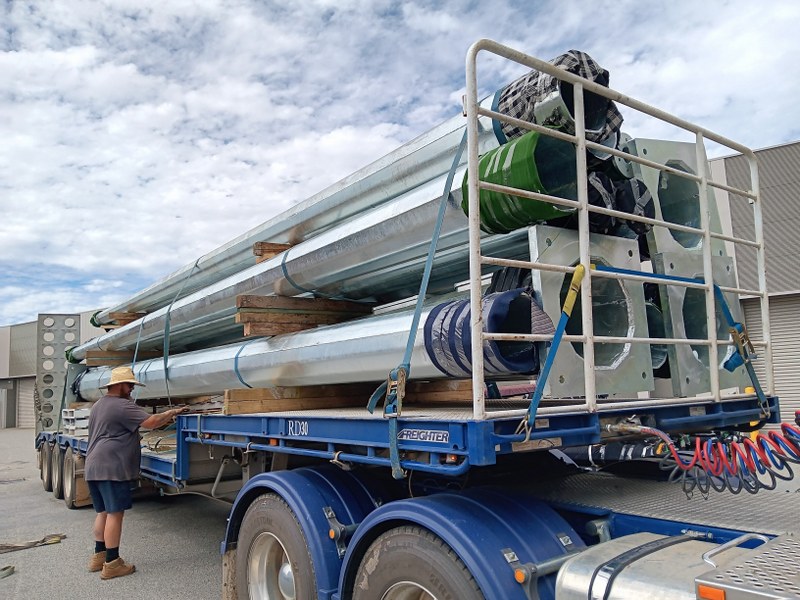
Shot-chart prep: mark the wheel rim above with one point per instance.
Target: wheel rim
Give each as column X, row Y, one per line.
column 46, row 464
column 68, row 476
column 56, row 472
column 407, row 590
column 269, row 570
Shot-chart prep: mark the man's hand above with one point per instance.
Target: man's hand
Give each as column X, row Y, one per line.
column 160, row 419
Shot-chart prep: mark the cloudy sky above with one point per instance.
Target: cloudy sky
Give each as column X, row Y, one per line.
column 138, row 135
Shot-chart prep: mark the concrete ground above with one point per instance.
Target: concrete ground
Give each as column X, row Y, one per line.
column 174, row 542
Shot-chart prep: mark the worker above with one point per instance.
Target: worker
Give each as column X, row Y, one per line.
column 112, row 465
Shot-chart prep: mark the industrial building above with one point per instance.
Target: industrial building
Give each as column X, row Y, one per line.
column 779, row 175
column 19, row 354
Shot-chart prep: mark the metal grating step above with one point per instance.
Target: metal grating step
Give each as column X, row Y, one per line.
column 769, row 571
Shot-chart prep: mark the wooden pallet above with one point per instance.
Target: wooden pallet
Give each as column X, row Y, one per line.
column 441, row 391
column 347, row 395
column 116, row 358
column 123, row 318
column 267, row 250
column 274, row 315
column 120, row 319
column 80, row 405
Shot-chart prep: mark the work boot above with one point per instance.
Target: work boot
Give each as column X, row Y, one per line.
column 116, row 568
column 96, row 562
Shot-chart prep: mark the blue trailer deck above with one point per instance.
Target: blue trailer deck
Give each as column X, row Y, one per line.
column 446, row 441
column 449, row 439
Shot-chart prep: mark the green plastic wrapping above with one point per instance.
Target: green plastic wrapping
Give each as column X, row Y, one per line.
column 533, row 162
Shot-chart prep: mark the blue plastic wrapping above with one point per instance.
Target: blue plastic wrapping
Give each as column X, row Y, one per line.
column 448, row 337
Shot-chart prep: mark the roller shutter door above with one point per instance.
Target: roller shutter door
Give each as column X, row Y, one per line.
column 784, row 312
column 26, row 415
column 3, row 404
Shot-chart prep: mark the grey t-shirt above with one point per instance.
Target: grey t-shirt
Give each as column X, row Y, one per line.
column 114, row 453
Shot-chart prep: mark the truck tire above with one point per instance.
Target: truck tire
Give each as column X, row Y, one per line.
column 57, row 471
column 411, row 562
column 69, row 478
column 272, row 557
column 47, row 467
column 76, row 490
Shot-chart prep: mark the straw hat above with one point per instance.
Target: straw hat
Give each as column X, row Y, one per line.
column 122, row 375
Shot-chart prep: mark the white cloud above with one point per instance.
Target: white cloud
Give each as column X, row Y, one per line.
column 138, row 135
column 430, row 21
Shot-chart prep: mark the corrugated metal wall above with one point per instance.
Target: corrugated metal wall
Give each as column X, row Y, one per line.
column 779, row 177
column 780, row 193
column 89, row 331
column 22, row 353
column 3, row 401
column 26, row 415
column 783, row 313
column 5, row 351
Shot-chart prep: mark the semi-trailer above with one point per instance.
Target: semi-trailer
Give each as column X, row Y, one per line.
column 575, row 417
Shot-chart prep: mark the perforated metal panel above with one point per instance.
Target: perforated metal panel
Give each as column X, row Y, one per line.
column 54, row 334
column 677, row 199
column 618, row 310
column 769, row 571
column 684, row 315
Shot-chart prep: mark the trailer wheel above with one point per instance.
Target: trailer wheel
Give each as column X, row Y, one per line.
column 57, row 471
column 76, row 492
column 411, row 563
column 272, row 557
column 69, row 478
column 47, row 470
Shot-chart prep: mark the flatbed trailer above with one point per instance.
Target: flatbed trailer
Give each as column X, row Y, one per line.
column 595, row 506
column 444, row 442
column 481, row 499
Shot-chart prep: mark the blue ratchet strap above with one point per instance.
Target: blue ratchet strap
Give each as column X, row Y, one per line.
column 394, row 388
column 236, row 362
column 497, row 126
column 138, row 339
column 315, row 293
column 745, row 352
column 167, row 326
column 566, row 312
column 737, row 330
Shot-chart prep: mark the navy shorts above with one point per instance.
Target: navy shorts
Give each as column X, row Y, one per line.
column 111, row 496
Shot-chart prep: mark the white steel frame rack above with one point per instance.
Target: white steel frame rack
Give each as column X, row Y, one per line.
column 477, row 261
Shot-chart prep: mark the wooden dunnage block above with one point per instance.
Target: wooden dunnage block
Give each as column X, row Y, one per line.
column 275, row 315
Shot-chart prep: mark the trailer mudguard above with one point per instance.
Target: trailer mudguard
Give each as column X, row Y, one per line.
column 308, row 492
column 478, row 525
